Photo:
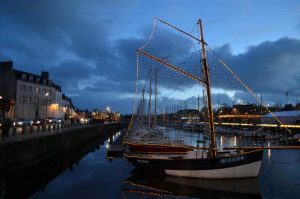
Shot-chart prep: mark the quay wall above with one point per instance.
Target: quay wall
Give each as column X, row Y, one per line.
column 19, row 154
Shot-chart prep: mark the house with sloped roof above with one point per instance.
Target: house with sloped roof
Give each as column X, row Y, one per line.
column 30, row 96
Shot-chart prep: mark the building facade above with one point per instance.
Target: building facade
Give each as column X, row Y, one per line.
column 31, row 96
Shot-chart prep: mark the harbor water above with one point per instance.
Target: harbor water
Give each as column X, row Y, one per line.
column 89, row 174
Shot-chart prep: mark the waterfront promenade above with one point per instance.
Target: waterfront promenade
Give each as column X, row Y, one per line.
column 29, row 148
column 30, row 132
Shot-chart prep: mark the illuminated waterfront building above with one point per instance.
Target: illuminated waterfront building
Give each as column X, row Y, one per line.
column 31, row 96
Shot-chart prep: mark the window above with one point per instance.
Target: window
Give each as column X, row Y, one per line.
column 30, row 88
column 22, row 99
column 37, row 90
column 23, row 87
column 23, row 77
column 37, row 80
column 36, row 100
column 29, row 100
column 30, row 79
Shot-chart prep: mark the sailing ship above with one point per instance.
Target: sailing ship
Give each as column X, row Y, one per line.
column 199, row 162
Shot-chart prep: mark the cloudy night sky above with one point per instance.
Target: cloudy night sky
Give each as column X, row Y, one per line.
column 89, row 47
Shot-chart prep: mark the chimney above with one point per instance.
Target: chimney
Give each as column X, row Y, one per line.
column 45, row 74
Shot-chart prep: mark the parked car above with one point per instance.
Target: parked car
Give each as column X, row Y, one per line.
column 52, row 120
column 38, row 122
column 59, row 120
column 49, row 120
column 22, row 122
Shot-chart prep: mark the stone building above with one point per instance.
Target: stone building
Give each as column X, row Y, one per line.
column 30, row 96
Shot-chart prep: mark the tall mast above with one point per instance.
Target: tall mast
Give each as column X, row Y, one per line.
column 213, row 148
column 149, row 104
column 155, row 97
column 198, row 104
column 143, row 106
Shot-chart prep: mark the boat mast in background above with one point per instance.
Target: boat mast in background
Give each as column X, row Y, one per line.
column 154, row 123
column 143, row 105
column 149, row 104
column 213, row 148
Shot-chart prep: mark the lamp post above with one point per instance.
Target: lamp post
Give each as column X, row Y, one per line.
column 1, row 111
column 46, row 95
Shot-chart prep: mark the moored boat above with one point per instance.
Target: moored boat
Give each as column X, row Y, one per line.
column 198, row 164
column 211, row 162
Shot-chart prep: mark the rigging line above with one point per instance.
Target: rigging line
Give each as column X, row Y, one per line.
column 245, row 86
column 194, row 28
column 188, row 62
column 175, row 54
column 171, row 66
column 135, row 97
column 256, row 97
column 151, row 35
column 166, row 23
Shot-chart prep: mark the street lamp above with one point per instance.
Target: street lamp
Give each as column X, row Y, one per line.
column 46, row 95
column 2, row 112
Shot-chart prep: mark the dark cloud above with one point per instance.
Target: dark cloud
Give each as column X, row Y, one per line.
column 77, row 45
column 269, row 66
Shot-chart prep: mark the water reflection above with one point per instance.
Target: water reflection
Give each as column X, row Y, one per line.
column 86, row 173
column 141, row 184
column 35, row 178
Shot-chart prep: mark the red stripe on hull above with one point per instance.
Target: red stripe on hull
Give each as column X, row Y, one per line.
column 157, row 148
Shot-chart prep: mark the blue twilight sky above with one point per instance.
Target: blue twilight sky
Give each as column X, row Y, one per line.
column 89, row 46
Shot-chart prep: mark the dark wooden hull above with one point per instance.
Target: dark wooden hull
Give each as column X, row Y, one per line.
column 235, row 166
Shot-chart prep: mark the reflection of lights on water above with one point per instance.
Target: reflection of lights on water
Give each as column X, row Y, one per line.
column 234, row 141
column 221, row 141
column 269, row 152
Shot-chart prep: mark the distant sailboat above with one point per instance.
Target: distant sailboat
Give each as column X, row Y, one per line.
column 155, row 141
